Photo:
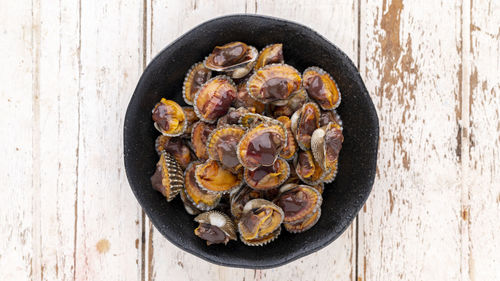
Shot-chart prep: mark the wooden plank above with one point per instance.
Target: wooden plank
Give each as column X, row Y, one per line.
column 166, row 21
column 411, row 63
column 482, row 139
column 59, row 86
column 110, row 60
column 18, row 99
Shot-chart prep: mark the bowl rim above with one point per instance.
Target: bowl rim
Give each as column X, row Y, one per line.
column 293, row 256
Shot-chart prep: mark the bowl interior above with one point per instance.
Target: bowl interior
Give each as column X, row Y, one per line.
column 302, row 48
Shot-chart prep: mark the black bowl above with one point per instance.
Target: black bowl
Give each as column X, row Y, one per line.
column 303, row 47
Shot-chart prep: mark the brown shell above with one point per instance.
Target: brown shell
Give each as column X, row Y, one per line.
column 188, row 205
column 293, row 104
column 261, row 241
column 304, row 122
column 212, row 177
column 236, row 59
column 232, row 116
column 291, row 147
column 222, row 144
column 214, row 98
column 326, row 143
column 293, row 178
column 243, row 99
column 330, row 175
column 191, row 118
column 240, row 197
column 308, row 169
column 175, row 147
column 215, row 227
column 298, row 202
column 200, row 198
column 321, row 87
column 274, row 83
column 260, row 219
column 269, row 55
column 268, row 177
column 261, row 145
column 199, row 137
column 328, row 116
column 250, row 120
column 304, row 225
column 320, row 187
column 169, row 118
column 196, row 76
column 168, row 177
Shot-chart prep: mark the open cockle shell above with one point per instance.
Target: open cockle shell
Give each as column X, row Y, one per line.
column 236, row 59
column 259, row 222
column 212, row 225
column 222, row 144
column 169, row 118
column 304, row 225
column 328, row 116
column 308, row 169
column 291, row 147
column 262, row 240
column 176, row 147
column 188, row 205
column 270, row 54
column 239, row 197
column 293, row 104
column 267, row 177
column 321, row 87
column 304, row 122
column 243, row 99
column 232, row 116
column 199, row 137
column 191, row 118
column 298, row 202
column 200, row 198
column 252, row 153
column 326, row 143
column 196, row 76
column 168, row 177
column 250, row 120
column 214, row 178
column 274, row 83
column 214, row 98
column 330, row 175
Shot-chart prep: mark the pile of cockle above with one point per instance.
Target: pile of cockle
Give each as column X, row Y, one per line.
column 254, row 148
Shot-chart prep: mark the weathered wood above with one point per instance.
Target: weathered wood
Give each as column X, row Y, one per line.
column 58, row 123
column 481, row 136
column 70, row 67
column 166, row 21
column 411, row 63
column 107, row 219
column 19, row 168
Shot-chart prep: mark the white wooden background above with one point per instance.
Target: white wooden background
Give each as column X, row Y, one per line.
column 68, row 69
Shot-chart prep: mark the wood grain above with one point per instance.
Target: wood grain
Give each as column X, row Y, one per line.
column 336, row 262
column 70, row 67
column 19, row 168
column 411, row 64
column 107, row 218
column 59, row 86
column 482, row 136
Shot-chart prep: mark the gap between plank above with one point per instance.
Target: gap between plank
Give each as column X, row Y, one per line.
column 36, row 258
column 464, row 127
column 79, row 56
